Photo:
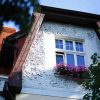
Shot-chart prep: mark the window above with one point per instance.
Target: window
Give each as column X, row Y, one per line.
column 59, row 58
column 69, row 45
column 72, row 52
column 70, row 59
column 59, row 44
column 80, row 60
column 79, row 46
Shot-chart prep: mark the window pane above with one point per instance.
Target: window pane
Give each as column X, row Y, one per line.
column 59, row 59
column 81, row 49
column 69, row 45
column 80, row 60
column 70, row 59
column 59, row 44
column 79, row 46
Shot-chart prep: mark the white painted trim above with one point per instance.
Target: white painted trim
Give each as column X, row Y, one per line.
column 69, row 38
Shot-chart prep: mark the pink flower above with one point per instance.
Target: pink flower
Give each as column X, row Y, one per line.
column 69, row 69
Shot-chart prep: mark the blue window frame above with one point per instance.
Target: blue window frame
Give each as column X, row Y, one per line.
column 80, row 60
column 69, row 45
column 59, row 59
column 79, row 46
column 59, row 44
column 70, row 59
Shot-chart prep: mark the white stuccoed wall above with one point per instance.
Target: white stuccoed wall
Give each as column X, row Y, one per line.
column 38, row 75
column 91, row 41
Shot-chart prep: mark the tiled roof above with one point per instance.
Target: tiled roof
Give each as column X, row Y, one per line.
column 6, row 31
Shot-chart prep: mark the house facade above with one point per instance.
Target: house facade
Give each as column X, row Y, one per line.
column 57, row 36
column 61, row 38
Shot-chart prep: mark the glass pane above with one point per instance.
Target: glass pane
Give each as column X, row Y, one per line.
column 81, row 49
column 59, row 44
column 59, row 59
column 79, row 46
column 69, row 45
column 60, row 41
column 80, row 60
column 70, row 59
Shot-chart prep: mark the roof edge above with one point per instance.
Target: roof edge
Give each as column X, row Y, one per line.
column 67, row 11
column 69, row 16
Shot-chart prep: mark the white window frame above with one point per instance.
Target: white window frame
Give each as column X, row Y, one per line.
column 74, row 52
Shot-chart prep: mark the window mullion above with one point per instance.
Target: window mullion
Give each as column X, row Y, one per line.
column 64, row 49
column 74, row 47
column 75, row 59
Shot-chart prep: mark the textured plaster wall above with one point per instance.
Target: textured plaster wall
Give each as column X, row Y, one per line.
column 38, row 74
column 91, row 41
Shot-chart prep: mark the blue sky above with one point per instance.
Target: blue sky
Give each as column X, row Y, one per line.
column 12, row 23
column 89, row 6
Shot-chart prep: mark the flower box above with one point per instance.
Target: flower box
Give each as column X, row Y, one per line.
column 73, row 71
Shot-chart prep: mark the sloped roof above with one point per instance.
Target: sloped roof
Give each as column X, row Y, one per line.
column 6, row 31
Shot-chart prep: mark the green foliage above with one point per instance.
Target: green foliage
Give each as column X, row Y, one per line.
column 93, row 82
column 98, row 30
column 17, row 11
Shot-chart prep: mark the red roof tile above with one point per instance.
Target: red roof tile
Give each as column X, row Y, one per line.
column 6, row 31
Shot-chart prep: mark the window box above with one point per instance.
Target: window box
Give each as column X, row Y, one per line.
column 60, row 69
column 71, row 71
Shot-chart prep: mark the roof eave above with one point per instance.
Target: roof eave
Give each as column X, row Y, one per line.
column 69, row 16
